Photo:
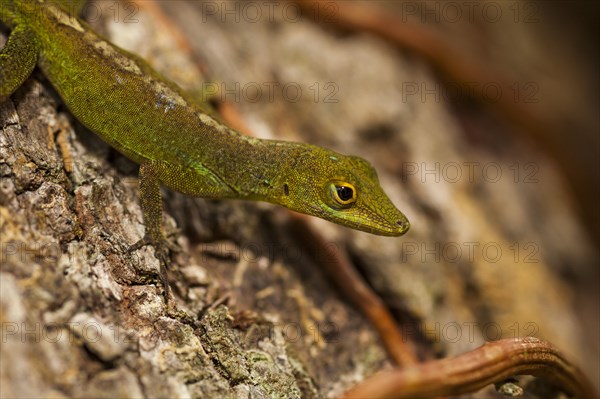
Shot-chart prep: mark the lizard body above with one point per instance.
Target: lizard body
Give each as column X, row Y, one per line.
column 176, row 140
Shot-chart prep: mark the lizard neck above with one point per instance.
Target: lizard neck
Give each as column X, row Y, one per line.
column 261, row 169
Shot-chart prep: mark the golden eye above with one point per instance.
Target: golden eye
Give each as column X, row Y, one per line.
column 343, row 193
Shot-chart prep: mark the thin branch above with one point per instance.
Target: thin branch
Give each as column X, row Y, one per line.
column 490, row 363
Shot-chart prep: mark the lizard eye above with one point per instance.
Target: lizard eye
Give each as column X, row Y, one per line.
column 343, row 194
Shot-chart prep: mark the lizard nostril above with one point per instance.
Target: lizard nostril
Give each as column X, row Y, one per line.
column 403, row 224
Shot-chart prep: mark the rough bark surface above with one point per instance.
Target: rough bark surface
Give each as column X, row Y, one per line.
column 489, row 255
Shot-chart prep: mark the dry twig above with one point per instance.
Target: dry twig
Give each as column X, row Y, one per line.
column 490, row 363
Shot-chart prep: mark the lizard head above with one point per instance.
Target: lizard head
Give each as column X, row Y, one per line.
column 345, row 190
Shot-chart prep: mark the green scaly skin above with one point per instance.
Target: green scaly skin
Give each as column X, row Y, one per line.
column 175, row 140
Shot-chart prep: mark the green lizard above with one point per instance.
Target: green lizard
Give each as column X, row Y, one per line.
column 177, row 141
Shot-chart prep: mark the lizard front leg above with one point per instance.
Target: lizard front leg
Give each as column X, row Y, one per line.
column 195, row 180
column 151, row 203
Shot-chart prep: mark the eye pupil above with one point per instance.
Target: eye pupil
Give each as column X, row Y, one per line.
column 345, row 193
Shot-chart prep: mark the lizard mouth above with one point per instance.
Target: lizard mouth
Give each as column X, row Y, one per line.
column 375, row 224
column 383, row 228
column 393, row 230
column 390, row 228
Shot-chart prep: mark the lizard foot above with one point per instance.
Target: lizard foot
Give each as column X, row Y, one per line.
column 161, row 249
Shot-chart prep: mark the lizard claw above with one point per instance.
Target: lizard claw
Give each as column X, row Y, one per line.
column 172, row 244
column 139, row 244
column 162, row 245
column 161, row 251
